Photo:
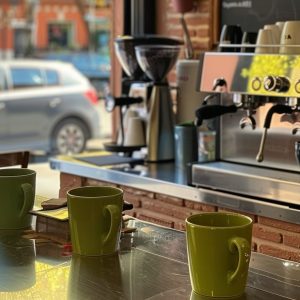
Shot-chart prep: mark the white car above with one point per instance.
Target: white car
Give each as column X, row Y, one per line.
column 46, row 105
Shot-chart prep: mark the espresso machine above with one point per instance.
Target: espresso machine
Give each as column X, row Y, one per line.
column 258, row 127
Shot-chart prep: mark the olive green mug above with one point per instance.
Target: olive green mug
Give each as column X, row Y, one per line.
column 17, row 192
column 219, row 249
column 95, row 215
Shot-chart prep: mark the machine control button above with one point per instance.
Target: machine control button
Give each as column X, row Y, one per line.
column 256, row 84
column 276, row 83
column 297, row 87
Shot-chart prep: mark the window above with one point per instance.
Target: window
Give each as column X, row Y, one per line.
column 26, row 77
column 59, row 35
column 39, row 92
column 102, row 42
column 52, row 77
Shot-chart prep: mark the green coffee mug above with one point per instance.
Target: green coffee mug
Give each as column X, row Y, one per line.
column 17, row 192
column 95, row 214
column 219, row 249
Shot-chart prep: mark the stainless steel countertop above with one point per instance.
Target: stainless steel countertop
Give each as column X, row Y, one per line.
column 151, row 264
column 168, row 179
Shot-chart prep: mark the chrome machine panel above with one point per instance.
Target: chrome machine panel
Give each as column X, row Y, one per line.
column 255, row 84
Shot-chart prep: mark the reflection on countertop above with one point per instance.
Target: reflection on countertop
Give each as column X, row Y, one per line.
column 151, row 264
column 166, row 171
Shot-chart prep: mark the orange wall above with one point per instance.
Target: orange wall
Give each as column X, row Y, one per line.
column 45, row 17
column 47, row 12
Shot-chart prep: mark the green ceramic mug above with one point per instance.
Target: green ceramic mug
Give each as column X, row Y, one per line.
column 17, row 192
column 219, row 249
column 95, row 214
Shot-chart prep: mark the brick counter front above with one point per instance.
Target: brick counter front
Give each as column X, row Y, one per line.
column 272, row 237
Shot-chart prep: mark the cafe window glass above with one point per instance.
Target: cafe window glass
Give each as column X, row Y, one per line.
column 26, row 77
column 72, row 31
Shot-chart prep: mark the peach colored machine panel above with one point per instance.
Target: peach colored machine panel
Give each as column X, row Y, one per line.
column 255, row 74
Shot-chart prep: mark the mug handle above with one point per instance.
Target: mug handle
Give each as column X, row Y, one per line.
column 114, row 211
column 28, row 198
column 243, row 247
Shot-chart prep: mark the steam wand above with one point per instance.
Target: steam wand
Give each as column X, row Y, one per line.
column 278, row 109
column 212, row 111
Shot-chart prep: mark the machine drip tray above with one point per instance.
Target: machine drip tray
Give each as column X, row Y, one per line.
column 275, row 185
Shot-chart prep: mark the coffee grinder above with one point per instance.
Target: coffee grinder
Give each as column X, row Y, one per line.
column 133, row 74
column 125, row 51
column 156, row 61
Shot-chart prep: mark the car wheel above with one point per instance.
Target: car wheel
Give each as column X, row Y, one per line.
column 69, row 137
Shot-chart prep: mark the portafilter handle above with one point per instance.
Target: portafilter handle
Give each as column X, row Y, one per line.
column 278, row 109
column 212, row 111
column 111, row 102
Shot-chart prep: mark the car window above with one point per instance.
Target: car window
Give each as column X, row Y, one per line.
column 52, row 77
column 26, row 77
column 3, row 81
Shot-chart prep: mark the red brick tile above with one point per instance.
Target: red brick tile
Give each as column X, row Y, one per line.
column 279, row 224
column 70, row 180
column 189, row 203
column 267, row 233
column 208, row 208
column 292, row 240
column 169, row 199
column 137, row 192
column 253, row 246
column 280, row 252
column 89, row 181
column 180, row 226
column 155, row 218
